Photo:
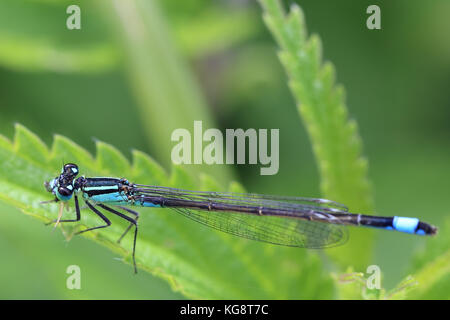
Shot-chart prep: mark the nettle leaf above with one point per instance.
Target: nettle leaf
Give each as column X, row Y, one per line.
column 321, row 104
column 197, row 261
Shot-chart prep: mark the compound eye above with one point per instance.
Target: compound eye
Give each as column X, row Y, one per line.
column 65, row 191
column 71, row 169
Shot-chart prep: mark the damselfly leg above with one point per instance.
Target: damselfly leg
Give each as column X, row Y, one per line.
column 132, row 222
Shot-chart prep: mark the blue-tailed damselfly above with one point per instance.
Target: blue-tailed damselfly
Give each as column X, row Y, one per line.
column 288, row 221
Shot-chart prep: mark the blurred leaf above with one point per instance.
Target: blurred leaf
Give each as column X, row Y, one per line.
column 434, row 279
column 431, row 269
column 30, row 54
column 351, row 285
column 236, row 187
column 224, row 29
column 34, row 37
column 335, row 139
column 354, row 286
column 401, row 291
column 166, row 92
column 196, row 261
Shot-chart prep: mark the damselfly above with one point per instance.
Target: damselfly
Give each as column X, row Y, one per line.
column 288, row 221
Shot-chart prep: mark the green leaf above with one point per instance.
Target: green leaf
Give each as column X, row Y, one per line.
column 27, row 143
column 321, row 104
column 433, row 278
column 145, row 166
column 224, row 30
column 351, row 285
column 197, row 261
column 430, row 271
column 110, row 157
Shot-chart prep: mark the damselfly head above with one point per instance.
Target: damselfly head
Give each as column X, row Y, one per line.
column 62, row 186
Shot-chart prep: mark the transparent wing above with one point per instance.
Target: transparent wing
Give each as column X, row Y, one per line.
column 290, row 221
column 276, row 230
column 245, row 199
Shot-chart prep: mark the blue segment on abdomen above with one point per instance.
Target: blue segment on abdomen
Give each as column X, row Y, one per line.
column 421, row 232
column 119, row 198
column 149, row 204
column 141, row 201
column 115, row 197
column 405, row 224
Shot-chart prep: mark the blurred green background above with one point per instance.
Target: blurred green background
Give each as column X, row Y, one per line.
column 217, row 62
